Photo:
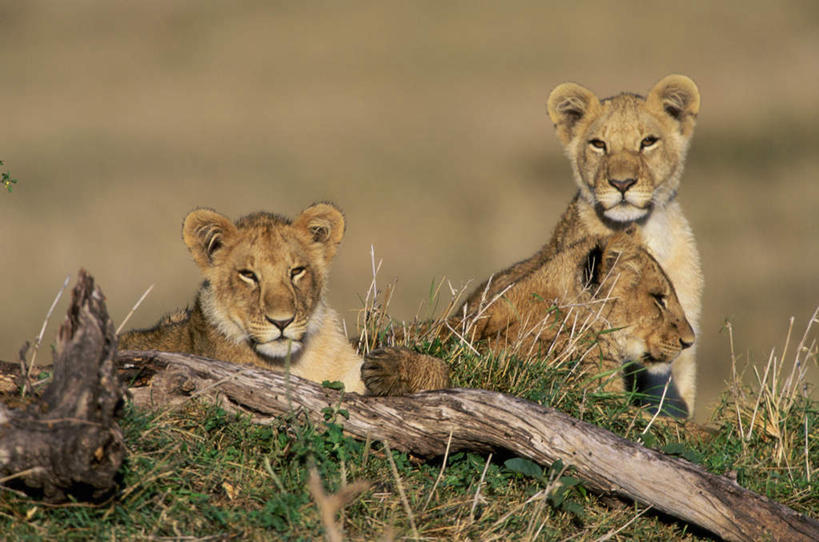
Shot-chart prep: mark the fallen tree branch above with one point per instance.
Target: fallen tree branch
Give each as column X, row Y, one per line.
column 68, row 443
column 479, row 420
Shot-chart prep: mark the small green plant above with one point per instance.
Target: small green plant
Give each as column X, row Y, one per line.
column 6, row 178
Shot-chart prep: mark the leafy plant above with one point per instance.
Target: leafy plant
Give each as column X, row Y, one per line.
column 6, row 179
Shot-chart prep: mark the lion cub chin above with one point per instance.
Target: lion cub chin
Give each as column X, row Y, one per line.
column 263, row 296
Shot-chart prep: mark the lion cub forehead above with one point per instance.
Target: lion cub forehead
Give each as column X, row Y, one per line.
column 625, row 117
column 271, row 238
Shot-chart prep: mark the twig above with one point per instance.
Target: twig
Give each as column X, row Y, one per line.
column 807, row 456
column 20, row 474
column 762, row 383
column 443, row 468
column 42, row 332
column 135, row 307
column 478, row 491
column 736, row 384
column 610, row 534
column 541, row 495
column 660, row 407
column 401, row 493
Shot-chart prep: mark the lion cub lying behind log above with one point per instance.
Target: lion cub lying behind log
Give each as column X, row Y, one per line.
column 610, row 283
column 263, row 299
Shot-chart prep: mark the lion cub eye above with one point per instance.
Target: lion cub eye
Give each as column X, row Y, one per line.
column 648, row 142
column 248, row 276
column 297, row 271
column 598, row 144
column 660, row 299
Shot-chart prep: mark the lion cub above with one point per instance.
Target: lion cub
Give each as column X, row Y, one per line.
column 627, row 154
column 606, row 284
column 263, row 296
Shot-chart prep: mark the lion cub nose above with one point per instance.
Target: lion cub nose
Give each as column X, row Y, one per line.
column 622, row 184
column 281, row 324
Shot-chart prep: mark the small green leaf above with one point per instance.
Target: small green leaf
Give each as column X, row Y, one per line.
column 523, row 466
column 648, row 440
column 574, row 508
column 681, row 450
column 569, row 481
column 334, row 385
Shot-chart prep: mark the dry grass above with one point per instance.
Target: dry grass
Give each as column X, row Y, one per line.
column 775, row 404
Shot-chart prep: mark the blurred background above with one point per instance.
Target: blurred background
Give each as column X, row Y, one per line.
column 424, row 121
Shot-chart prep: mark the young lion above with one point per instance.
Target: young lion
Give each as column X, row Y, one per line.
column 612, row 283
column 263, row 297
column 627, row 154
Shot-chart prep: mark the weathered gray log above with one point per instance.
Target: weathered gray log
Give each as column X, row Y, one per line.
column 68, row 442
column 480, row 421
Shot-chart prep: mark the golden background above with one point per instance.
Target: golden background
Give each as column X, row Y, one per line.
column 424, row 121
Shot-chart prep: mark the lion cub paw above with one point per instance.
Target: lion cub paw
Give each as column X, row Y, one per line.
column 397, row 370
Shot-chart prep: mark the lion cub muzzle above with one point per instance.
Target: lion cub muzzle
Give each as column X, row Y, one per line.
column 278, row 336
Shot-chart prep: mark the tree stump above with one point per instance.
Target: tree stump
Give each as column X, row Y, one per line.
column 68, row 443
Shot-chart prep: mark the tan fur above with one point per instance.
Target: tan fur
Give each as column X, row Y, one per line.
column 263, row 296
column 396, row 370
column 638, row 144
column 611, row 281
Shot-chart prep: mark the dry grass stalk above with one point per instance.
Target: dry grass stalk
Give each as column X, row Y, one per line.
column 609, row 535
column 329, row 505
column 440, row 473
column 659, row 407
column 773, row 396
column 477, row 497
column 27, row 370
column 135, row 307
column 401, row 493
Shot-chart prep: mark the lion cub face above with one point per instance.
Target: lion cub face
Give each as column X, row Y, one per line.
column 642, row 302
column 626, row 151
column 265, row 275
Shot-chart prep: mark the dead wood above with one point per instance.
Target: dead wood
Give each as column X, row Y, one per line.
column 67, row 443
column 479, row 420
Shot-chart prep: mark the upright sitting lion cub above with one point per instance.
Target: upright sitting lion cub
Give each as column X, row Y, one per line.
column 627, row 154
column 262, row 297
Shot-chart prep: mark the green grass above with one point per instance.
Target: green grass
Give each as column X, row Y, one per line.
column 201, row 472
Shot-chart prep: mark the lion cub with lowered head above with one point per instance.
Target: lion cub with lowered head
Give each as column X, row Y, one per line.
column 627, row 154
column 609, row 284
column 263, row 297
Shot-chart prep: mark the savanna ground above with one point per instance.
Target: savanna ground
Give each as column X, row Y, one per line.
column 201, row 473
column 426, row 123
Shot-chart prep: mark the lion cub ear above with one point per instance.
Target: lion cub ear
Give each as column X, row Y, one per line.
column 678, row 97
column 325, row 225
column 205, row 232
column 568, row 104
column 608, row 251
